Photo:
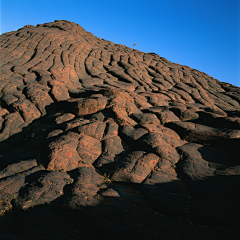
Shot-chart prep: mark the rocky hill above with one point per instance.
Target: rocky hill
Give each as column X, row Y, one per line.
column 101, row 141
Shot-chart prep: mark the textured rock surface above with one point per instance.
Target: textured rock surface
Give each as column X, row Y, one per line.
column 101, row 141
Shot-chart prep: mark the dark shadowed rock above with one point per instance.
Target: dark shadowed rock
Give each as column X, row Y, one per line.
column 184, row 114
column 145, row 118
column 166, row 198
column 196, row 132
column 192, row 165
column 41, row 188
column 131, row 134
column 81, row 107
column 11, row 185
column 167, row 116
column 85, row 187
column 18, row 167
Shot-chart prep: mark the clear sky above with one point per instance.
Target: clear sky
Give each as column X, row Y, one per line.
column 202, row 34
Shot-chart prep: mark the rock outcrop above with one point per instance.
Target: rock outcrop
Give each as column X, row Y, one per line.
column 101, row 141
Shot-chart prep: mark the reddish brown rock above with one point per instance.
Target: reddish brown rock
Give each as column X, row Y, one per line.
column 73, row 124
column 121, row 116
column 145, row 118
column 167, row 134
column 154, row 142
column 12, row 124
column 3, row 112
column 112, row 152
column 59, row 91
column 135, row 167
column 164, row 172
column 98, row 136
column 83, row 107
column 63, row 154
column 111, row 129
column 40, row 97
column 167, row 116
column 64, row 118
column 27, row 109
column 95, row 129
column 18, row 167
column 89, row 149
column 9, row 99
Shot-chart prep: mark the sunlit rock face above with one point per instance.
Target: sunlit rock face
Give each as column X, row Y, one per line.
column 101, row 141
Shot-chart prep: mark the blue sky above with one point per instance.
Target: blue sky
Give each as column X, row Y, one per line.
column 202, row 34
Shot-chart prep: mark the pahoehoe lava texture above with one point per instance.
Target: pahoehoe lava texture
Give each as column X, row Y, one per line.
column 101, row 141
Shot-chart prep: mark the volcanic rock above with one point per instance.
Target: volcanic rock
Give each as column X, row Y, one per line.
column 101, row 141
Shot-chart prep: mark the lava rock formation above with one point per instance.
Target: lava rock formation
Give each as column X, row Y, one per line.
column 101, row 141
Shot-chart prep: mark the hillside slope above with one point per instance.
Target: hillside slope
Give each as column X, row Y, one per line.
column 101, row 141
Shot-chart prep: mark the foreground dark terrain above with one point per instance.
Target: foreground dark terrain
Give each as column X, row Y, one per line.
column 101, row 141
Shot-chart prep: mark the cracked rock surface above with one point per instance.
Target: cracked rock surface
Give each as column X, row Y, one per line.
column 101, row 141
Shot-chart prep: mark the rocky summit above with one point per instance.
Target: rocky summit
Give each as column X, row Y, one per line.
column 102, row 141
